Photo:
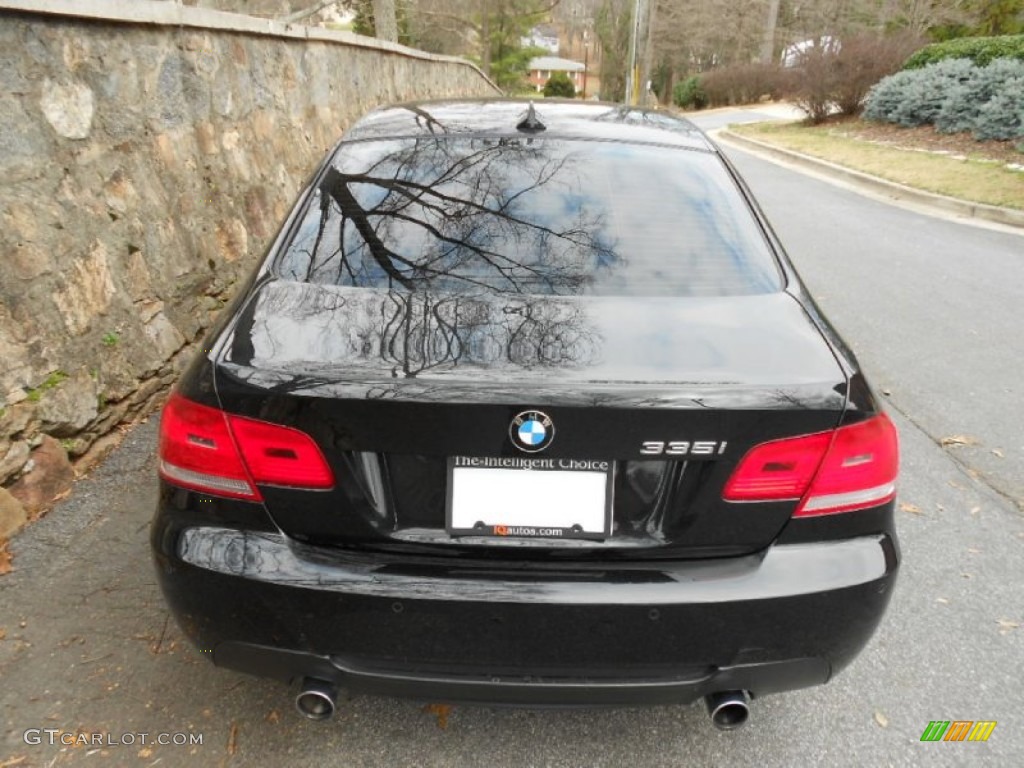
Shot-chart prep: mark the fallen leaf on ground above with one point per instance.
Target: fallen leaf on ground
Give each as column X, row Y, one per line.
column 145, row 752
column 911, row 508
column 3, row 633
column 881, row 719
column 975, row 510
column 954, row 440
column 441, row 711
column 1005, row 625
column 943, row 600
column 5, row 558
column 273, row 716
column 233, row 739
column 997, row 452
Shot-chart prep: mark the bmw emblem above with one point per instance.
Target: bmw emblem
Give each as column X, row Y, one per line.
column 532, row 431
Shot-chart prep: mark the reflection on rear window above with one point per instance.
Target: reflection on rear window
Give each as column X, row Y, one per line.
column 527, row 215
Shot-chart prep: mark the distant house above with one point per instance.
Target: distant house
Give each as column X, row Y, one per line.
column 543, row 36
column 542, row 67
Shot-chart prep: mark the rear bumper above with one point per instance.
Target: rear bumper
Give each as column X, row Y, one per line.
column 523, row 690
column 651, row 633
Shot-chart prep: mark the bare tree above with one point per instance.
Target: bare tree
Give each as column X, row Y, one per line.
column 768, row 42
column 490, row 29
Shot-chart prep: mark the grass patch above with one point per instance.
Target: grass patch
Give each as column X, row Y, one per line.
column 52, row 382
column 974, row 178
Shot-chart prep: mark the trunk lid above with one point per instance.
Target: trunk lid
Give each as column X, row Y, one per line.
column 393, row 384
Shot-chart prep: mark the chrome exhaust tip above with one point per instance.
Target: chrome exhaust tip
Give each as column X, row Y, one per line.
column 729, row 710
column 317, row 699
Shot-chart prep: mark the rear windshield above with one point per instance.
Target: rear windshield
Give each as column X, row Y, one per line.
column 526, row 215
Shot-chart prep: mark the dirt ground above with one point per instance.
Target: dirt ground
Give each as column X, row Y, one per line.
column 926, row 138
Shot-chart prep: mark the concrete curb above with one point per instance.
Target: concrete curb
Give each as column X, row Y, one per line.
column 168, row 14
column 890, row 189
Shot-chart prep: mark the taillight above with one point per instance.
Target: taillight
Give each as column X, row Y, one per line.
column 781, row 469
column 859, row 470
column 198, row 452
column 853, row 467
column 208, row 450
column 279, row 455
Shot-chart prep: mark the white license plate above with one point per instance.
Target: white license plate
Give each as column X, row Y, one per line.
column 527, row 497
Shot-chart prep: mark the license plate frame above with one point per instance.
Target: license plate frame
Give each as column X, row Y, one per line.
column 519, row 497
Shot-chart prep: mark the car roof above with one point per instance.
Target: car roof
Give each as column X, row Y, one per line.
column 562, row 118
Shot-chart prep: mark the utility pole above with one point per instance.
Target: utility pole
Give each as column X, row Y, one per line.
column 646, row 72
column 631, row 74
column 586, row 62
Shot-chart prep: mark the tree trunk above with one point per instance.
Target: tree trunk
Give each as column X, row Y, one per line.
column 768, row 42
column 485, row 39
column 647, row 72
column 384, row 20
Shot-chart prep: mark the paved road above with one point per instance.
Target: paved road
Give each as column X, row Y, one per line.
column 934, row 308
column 88, row 645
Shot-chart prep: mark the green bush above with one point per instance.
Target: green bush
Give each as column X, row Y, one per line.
column 560, row 86
column 980, row 50
column 928, row 90
column 954, row 95
column 1002, row 116
column 916, row 97
column 689, row 94
column 885, row 96
column 962, row 106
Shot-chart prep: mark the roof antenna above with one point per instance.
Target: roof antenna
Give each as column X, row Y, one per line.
column 531, row 122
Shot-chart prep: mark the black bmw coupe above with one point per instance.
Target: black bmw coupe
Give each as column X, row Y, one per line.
column 527, row 406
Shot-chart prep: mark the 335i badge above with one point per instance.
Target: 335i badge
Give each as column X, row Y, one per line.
column 527, row 406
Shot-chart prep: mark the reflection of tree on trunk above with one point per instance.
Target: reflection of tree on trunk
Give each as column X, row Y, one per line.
column 422, row 331
column 496, row 214
column 547, row 334
column 324, row 308
column 416, row 335
column 340, row 331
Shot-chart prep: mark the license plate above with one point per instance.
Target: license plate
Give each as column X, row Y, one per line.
column 527, row 497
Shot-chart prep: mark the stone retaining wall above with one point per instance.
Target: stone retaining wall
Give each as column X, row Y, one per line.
column 145, row 161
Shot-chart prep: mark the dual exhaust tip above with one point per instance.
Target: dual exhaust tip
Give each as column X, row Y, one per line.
column 318, row 699
column 728, row 710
